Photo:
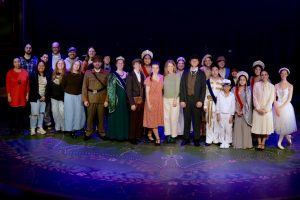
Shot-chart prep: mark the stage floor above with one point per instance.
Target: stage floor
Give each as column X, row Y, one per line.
column 56, row 165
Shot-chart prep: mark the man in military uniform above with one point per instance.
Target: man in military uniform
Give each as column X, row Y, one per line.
column 94, row 94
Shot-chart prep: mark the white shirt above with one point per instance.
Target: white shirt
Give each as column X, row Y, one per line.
column 195, row 70
column 225, row 105
column 55, row 58
column 138, row 75
column 42, row 85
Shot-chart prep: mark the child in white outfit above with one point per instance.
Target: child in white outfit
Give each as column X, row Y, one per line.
column 225, row 109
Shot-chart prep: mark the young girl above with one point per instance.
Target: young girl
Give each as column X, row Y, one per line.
column 171, row 101
column 74, row 114
column 225, row 111
column 241, row 137
column 57, row 95
column 39, row 89
column 153, row 112
column 284, row 116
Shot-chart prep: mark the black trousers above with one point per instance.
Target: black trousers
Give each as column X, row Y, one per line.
column 136, row 123
column 192, row 114
column 18, row 120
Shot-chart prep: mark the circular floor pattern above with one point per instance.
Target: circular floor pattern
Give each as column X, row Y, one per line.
column 148, row 164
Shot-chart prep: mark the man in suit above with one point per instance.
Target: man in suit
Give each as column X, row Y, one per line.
column 192, row 95
column 135, row 93
column 54, row 56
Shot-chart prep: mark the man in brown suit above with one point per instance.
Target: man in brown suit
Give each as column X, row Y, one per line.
column 94, row 96
column 135, row 93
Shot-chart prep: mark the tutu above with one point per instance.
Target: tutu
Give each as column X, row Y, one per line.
column 286, row 123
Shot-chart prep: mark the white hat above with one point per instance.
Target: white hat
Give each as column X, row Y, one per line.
column 226, row 82
column 206, row 56
column 180, row 58
column 284, row 68
column 120, row 58
column 243, row 73
column 259, row 63
column 147, row 52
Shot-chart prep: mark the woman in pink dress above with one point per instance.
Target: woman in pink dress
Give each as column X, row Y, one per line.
column 153, row 112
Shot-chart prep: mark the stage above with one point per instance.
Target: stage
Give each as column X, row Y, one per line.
column 58, row 166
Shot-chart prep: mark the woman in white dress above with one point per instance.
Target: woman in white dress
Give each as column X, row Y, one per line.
column 284, row 114
column 263, row 99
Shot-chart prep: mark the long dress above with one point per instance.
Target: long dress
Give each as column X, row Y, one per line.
column 154, row 118
column 118, row 116
column 263, row 97
column 286, row 123
column 241, row 137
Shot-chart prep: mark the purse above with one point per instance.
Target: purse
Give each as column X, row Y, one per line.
column 138, row 100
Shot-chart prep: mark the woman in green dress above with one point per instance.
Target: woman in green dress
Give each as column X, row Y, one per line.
column 118, row 116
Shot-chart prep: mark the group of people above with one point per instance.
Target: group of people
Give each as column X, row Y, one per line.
column 227, row 107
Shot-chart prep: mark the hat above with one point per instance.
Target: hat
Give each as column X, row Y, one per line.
column 284, row 68
column 147, row 52
column 243, row 73
column 221, row 58
column 72, row 49
column 137, row 60
column 206, row 56
column 226, row 82
column 259, row 63
column 180, row 59
column 120, row 58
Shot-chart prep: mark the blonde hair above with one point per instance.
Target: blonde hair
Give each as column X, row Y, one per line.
column 166, row 67
column 55, row 72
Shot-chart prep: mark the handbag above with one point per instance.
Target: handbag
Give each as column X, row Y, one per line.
column 138, row 100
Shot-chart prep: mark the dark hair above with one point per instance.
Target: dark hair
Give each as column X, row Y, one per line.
column 214, row 66
column 153, row 63
column 194, row 56
column 137, row 60
column 98, row 58
column 41, row 61
column 87, row 57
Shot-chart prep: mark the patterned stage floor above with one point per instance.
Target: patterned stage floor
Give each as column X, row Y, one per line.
column 56, row 165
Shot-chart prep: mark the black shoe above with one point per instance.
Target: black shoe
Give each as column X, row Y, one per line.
column 157, row 142
column 73, row 134
column 86, row 138
column 172, row 140
column 207, row 144
column 196, row 143
column 133, row 142
column 185, row 142
column 168, row 139
column 102, row 137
